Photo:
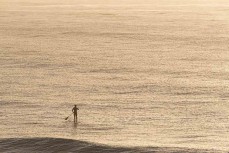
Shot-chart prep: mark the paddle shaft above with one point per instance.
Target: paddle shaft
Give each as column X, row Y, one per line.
column 68, row 116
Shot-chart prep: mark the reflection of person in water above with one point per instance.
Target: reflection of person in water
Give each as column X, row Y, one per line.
column 74, row 110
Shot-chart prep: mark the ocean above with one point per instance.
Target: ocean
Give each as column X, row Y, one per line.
column 143, row 73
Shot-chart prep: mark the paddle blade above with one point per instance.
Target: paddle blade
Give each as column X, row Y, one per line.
column 66, row 118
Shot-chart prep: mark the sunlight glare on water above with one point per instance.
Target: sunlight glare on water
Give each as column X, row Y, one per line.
column 152, row 73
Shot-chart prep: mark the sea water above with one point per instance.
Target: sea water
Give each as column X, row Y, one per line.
column 142, row 72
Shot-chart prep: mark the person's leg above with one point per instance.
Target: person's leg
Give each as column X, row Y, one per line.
column 74, row 117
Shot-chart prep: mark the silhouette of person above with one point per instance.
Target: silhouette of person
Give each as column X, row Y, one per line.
column 74, row 110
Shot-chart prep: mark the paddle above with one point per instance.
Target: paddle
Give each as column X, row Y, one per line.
column 68, row 116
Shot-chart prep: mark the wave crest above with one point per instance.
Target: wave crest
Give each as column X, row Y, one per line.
column 59, row 145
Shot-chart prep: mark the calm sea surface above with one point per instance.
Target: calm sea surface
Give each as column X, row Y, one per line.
column 143, row 72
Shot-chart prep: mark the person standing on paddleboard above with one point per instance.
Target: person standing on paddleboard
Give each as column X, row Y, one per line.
column 74, row 110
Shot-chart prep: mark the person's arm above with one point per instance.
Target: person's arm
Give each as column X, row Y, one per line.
column 77, row 108
column 73, row 110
